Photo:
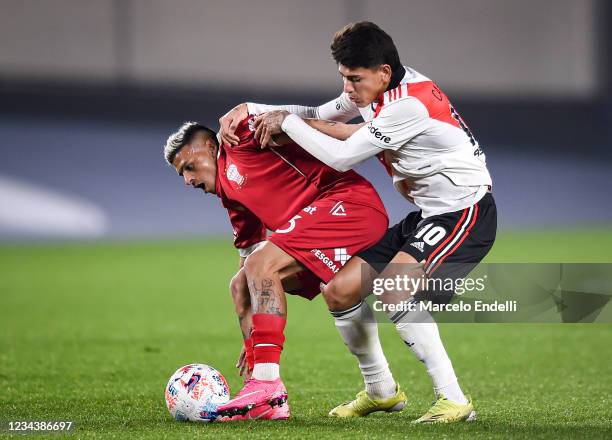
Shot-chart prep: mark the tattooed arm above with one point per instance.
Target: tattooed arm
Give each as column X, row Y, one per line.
column 268, row 126
column 337, row 130
column 334, row 129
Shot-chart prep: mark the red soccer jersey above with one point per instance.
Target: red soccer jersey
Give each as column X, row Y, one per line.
column 263, row 189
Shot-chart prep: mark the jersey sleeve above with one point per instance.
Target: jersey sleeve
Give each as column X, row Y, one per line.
column 341, row 109
column 248, row 229
column 397, row 123
column 340, row 155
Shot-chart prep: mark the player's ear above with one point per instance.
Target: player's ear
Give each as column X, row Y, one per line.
column 211, row 145
column 386, row 71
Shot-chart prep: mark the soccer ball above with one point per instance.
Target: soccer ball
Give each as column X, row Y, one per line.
column 194, row 392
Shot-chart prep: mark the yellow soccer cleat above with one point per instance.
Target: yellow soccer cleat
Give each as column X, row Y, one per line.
column 446, row 411
column 364, row 405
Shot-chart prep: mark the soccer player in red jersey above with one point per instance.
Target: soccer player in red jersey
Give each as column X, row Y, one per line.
column 320, row 217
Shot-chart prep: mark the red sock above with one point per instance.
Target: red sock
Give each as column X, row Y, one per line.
column 248, row 351
column 267, row 329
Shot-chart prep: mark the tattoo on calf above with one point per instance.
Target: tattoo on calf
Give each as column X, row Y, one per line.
column 265, row 298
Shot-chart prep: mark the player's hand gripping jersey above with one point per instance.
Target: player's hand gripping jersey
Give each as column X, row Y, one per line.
column 319, row 215
column 433, row 157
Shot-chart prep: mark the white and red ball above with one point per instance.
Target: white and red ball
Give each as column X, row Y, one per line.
column 194, row 392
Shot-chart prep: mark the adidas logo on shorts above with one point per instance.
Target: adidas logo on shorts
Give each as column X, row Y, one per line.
column 418, row 244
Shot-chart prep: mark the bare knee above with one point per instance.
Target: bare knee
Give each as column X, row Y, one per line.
column 338, row 297
column 257, row 265
column 345, row 289
column 270, row 261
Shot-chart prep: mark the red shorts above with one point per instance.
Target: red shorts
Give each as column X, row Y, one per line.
column 324, row 235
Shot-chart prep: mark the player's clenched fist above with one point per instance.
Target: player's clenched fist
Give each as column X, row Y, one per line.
column 268, row 125
column 229, row 122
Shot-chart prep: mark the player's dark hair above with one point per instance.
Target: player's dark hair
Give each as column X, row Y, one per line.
column 364, row 44
column 183, row 136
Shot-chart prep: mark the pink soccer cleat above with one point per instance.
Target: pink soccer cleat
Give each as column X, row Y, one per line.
column 264, row 412
column 255, row 398
column 272, row 412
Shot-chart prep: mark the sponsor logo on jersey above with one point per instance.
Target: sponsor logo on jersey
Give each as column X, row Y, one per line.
column 418, row 244
column 310, row 209
column 234, row 175
column 341, row 256
column 377, row 134
column 338, row 210
column 325, row 260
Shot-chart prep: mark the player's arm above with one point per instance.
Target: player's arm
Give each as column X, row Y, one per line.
column 342, row 155
column 337, row 130
column 239, row 290
column 396, row 124
column 249, row 234
column 341, row 109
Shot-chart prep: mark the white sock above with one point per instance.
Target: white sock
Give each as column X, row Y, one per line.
column 267, row 371
column 359, row 332
column 420, row 332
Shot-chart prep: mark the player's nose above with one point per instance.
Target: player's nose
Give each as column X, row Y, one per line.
column 348, row 86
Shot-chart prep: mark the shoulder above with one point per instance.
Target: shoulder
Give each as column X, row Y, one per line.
column 398, row 105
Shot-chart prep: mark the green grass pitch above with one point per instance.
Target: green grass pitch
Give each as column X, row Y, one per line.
column 92, row 332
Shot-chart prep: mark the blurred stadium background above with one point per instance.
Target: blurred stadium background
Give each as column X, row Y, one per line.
column 89, row 91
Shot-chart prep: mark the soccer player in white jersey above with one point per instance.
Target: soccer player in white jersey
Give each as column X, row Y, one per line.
column 435, row 162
